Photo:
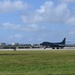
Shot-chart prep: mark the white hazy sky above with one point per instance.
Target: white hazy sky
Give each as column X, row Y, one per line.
column 35, row 21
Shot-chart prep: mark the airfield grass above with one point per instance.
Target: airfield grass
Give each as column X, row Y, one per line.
column 56, row 62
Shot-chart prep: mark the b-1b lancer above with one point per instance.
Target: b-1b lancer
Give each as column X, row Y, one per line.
column 59, row 45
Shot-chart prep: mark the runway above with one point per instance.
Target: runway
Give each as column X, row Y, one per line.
column 37, row 49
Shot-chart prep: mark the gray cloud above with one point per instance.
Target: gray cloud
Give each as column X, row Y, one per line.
column 8, row 5
column 26, row 28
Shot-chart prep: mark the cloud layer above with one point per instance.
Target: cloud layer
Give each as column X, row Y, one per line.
column 8, row 5
column 50, row 13
column 25, row 28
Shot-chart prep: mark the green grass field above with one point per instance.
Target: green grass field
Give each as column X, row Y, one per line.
column 54, row 62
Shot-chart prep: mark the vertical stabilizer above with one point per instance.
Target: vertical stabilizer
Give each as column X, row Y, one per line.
column 64, row 40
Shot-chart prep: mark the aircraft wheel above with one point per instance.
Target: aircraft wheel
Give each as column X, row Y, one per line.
column 53, row 47
column 57, row 47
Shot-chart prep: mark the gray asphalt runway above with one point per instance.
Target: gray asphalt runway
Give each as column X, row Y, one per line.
column 34, row 49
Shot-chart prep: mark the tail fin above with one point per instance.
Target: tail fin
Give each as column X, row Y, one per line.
column 64, row 40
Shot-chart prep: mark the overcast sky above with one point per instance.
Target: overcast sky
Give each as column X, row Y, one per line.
column 35, row 21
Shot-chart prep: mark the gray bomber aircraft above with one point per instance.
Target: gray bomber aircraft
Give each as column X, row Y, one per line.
column 59, row 45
